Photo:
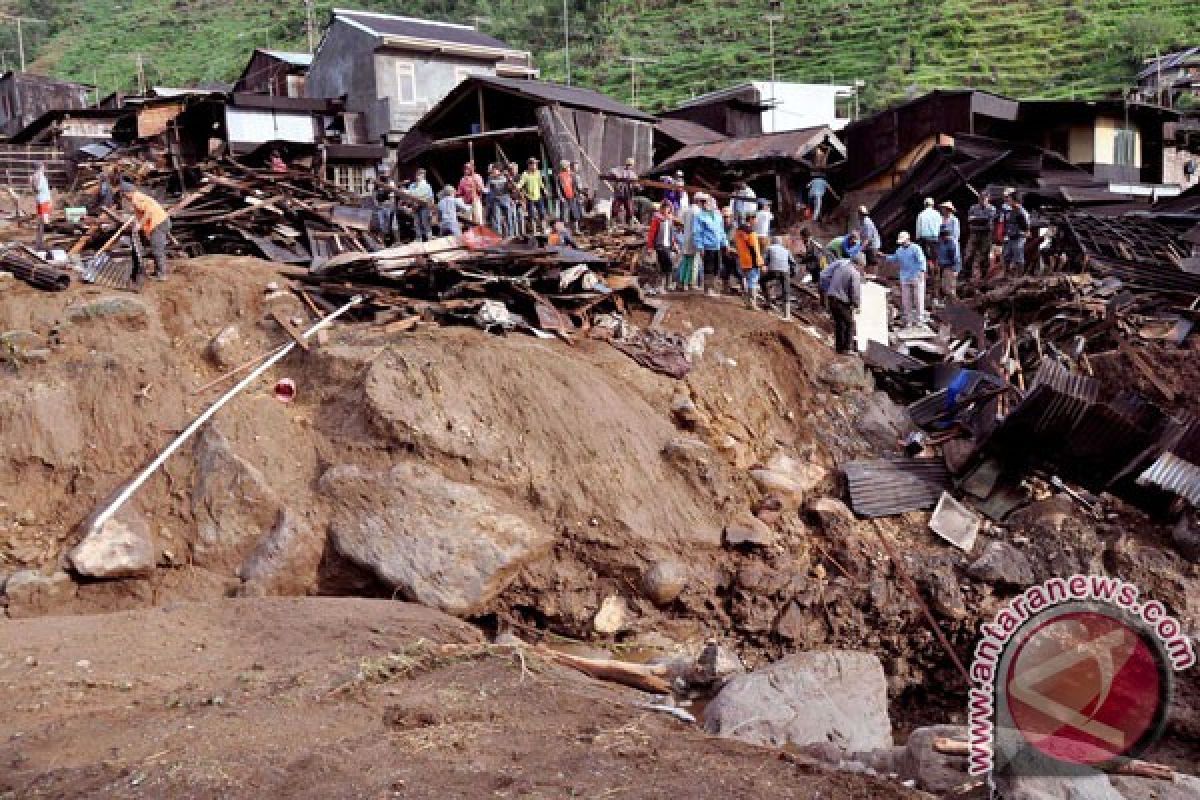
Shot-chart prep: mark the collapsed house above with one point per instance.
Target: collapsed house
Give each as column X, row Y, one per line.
column 500, row 120
column 777, row 166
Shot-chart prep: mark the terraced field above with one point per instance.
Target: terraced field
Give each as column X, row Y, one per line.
column 1052, row 49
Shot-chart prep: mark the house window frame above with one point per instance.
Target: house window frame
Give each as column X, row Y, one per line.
column 405, row 69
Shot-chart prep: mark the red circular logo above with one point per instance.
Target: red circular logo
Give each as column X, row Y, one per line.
column 1085, row 688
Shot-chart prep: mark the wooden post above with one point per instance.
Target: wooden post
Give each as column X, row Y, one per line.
column 482, row 121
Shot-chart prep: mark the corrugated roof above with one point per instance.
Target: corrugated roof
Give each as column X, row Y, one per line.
column 574, row 96
column 385, row 25
column 792, row 145
column 687, row 132
column 295, row 59
column 1169, row 61
column 888, row 486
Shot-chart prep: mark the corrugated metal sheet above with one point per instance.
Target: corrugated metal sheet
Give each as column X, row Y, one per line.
column 687, row 132
column 888, row 486
column 1067, row 396
column 790, row 145
column 882, row 357
column 1173, row 474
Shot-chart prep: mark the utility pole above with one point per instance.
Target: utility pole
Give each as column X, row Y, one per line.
column 310, row 25
column 20, row 33
column 141, row 69
column 567, row 40
column 633, row 62
column 771, row 19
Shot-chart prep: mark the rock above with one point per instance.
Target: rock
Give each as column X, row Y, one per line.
column 285, row 561
column 232, row 504
column 881, row 421
column 664, row 581
column 20, row 342
column 1183, row 787
column 225, row 348
column 1186, row 537
column 794, row 625
column 807, row 473
column 829, row 511
column 838, row 696
column 937, row 575
column 30, row 593
column 611, row 617
column 121, row 548
column 119, row 307
column 1001, row 563
column 933, row 772
column 747, row 529
column 443, row 544
column 1052, row 512
column 847, row 374
column 715, row 662
column 685, row 412
column 1086, row 785
column 7, row 280
column 787, row 478
column 49, row 419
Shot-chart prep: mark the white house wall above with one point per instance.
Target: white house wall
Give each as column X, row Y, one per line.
column 802, row 105
column 255, row 126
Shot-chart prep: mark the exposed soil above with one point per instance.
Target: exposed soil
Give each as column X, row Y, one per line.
column 618, row 467
column 292, row 698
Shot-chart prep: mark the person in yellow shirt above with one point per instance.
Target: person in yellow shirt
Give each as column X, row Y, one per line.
column 533, row 187
column 153, row 223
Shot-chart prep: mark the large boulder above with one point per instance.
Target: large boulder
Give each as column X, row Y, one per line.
column 120, row 548
column 285, row 561
column 746, row 529
column 119, row 307
column 933, row 772
column 664, row 581
column 1002, row 564
column 30, row 593
column 225, row 349
column 808, row 698
column 441, row 543
column 232, row 504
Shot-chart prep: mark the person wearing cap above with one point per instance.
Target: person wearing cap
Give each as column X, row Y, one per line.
column 1016, row 231
column 154, row 224
column 731, row 270
column 470, row 191
column 384, row 199
column 868, row 234
column 422, row 193
column 750, row 260
column 910, row 258
column 929, row 222
column 949, row 261
column 708, row 234
column 533, row 188
column 516, row 211
column 949, row 217
column 841, row 286
column 449, row 207
column 816, row 190
column 625, row 188
column 673, row 196
column 780, row 265
column 762, row 223
column 980, row 219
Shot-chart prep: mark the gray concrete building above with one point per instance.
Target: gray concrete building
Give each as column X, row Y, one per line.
column 393, row 69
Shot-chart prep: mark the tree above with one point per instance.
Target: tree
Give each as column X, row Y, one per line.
column 1145, row 35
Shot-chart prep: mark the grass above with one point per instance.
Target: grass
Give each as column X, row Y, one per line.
column 1055, row 49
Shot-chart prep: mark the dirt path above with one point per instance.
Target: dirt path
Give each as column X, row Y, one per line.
column 292, row 698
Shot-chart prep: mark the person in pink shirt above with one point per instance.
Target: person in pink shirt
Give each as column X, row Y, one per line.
column 470, row 191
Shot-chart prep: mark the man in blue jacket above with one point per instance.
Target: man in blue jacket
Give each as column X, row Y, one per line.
column 708, row 236
column 911, row 260
column 949, row 261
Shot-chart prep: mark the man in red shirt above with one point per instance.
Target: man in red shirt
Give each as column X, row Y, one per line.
column 470, row 191
column 568, row 193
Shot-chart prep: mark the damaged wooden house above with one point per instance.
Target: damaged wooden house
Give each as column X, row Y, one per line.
column 489, row 119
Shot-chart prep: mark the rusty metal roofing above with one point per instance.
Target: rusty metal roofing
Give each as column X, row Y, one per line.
column 1070, row 395
column 888, row 486
column 789, row 145
column 687, row 132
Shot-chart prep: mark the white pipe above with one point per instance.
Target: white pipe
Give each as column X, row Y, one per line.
column 122, row 498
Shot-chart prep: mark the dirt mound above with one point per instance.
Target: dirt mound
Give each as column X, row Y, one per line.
column 206, row 700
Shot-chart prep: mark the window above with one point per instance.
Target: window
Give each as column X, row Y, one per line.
column 352, row 179
column 406, row 83
column 1125, row 148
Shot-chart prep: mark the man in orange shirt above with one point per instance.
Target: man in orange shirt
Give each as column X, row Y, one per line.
column 749, row 259
column 153, row 223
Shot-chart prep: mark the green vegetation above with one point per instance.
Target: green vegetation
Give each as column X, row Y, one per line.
column 1052, row 49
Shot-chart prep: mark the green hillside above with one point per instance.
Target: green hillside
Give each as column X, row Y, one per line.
column 1052, row 49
